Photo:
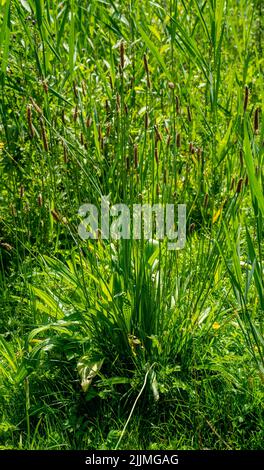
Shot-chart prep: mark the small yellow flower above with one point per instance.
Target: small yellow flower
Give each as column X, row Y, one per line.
column 216, row 325
column 2, row 145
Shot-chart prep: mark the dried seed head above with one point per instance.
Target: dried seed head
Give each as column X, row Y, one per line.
column 189, row 114
column 81, row 138
column 108, row 129
column 146, row 64
column 122, row 55
column 75, row 91
column 199, row 152
column 136, row 155
column 178, row 140
column 126, row 109
column 75, row 113
column 36, row 106
column 192, row 227
column 177, row 102
column 157, row 133
column 84, row 88
column 232, row 184
column 89, row 121
column 239, row 186
column 256, row 120
column 40, row 200
column 107, row 107
column 21, row 191
column 65, row 153
column 56, row 216
column 168, row 140
column 6, row 246
column 156, row 154
column 191, row 147
column 246, row 98
column 171, row 85
column 63, row 117
column 13, row 210
column 206, row 200
column 29, row 119
column 45, row 86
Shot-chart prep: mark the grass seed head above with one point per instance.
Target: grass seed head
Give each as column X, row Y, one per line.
column 83, row 88
column 192, row 227
column 256, row 120
column 168, row 140
column 63, row 117
column 157, row 133
column 177, row 103
column 36, row 106
column 56, row 216
column 40, row 200
column 122, row 55
column 189, row 114
column 146, row 64
column 89, row 122
column 246, row 98
column 75, row 91
column 21, row 191
column 146, row 120
column 75, row 113
column 239, row 186
column 45, row 86
column 29, row 119
column 156, row 154
column 65, row 152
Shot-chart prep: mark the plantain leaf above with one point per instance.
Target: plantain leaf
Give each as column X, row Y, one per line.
column 87, row 369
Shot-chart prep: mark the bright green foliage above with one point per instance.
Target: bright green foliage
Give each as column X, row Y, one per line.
column 107, row 344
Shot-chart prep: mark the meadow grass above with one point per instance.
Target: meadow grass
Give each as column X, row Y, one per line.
column 126, row 344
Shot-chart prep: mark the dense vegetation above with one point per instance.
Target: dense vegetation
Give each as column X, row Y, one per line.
column 127, row 344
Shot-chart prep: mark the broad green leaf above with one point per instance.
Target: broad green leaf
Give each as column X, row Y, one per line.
column 88, row 369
